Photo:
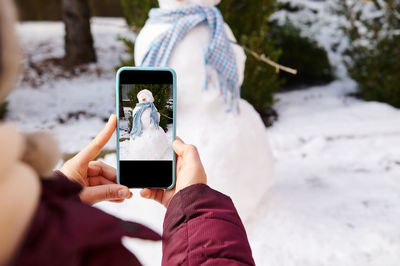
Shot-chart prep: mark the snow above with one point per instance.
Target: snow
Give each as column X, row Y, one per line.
column 336, row 198
column 88, row 98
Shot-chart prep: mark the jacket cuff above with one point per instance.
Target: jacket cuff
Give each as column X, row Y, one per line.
column 58, row 174
column 199, row 200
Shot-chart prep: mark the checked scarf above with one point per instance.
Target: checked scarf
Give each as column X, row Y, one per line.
column 218, row 54
column 137, row 118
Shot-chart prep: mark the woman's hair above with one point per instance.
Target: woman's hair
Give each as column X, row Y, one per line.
column 9, row 49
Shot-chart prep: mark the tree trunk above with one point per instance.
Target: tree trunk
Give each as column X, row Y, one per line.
column 121, row 107
column 78, row 38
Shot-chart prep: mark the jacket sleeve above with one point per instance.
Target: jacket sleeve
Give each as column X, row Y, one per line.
column 65, row 232
column 202, row 227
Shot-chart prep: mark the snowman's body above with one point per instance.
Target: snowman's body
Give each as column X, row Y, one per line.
column 233, row 146
column 153, row 143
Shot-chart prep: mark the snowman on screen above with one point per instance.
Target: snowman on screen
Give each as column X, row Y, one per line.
column 148, row 141
column 191, row 37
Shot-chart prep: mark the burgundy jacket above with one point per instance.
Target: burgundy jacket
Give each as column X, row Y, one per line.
column 201, row 226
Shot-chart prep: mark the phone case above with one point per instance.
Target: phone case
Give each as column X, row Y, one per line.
column 174, row 115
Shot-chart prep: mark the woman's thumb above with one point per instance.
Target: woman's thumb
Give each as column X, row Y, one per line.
column 179, row 146
column 92, row 195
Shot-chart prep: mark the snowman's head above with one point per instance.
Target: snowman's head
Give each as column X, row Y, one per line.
column 145, row 96
column 175, row 4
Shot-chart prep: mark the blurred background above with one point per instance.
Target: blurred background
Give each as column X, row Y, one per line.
column 334, row 127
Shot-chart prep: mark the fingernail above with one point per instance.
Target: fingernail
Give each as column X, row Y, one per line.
column 144, row 194
column 123, row 193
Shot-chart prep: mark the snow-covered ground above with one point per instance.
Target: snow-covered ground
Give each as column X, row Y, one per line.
column 336, row 200
column 82, row 103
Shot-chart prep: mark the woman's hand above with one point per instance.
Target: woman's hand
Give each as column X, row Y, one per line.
column 98, row 179
column 189, row 171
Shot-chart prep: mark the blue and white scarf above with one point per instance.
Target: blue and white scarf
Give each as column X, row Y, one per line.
column 137, row 118
column 218, row 54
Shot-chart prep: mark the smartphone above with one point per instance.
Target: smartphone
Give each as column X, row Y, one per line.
column 146, row 127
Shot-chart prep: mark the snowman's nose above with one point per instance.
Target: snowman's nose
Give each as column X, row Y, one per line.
column 144, row 99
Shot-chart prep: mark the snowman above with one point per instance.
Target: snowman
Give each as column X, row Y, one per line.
column 148, row 141
column 229, row 133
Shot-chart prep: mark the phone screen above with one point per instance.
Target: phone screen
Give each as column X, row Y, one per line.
column 146, row 127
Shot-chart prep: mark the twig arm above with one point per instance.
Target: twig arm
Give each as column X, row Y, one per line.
column 265, row 59
column 166, row 116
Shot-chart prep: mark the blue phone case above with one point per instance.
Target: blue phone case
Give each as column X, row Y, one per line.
column 174, row 114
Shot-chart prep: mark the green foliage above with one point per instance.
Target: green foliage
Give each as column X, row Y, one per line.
column 301, row 53
column 249, row 23
column 378, row 71
column 135, row 11
column 3, row 110
column 129, row 50
column 161, row 94
column 374, row 54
